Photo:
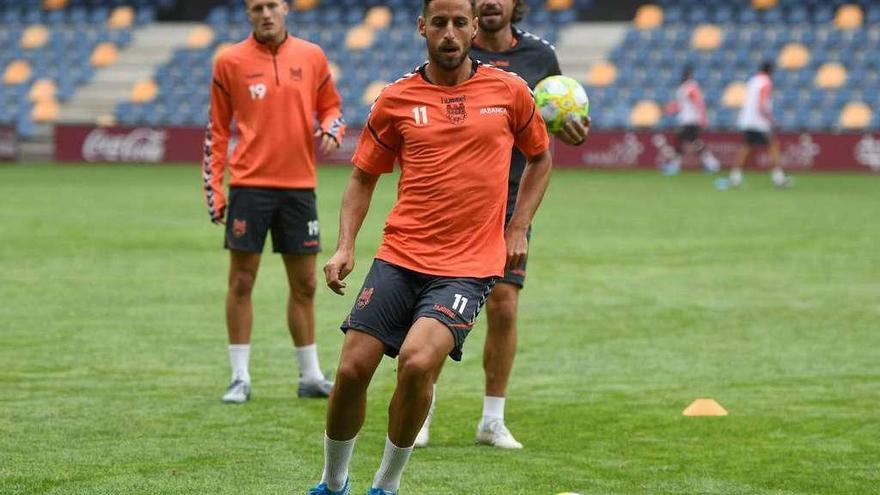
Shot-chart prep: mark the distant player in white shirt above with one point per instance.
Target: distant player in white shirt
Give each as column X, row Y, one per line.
column 690, row 108
column 756, row 122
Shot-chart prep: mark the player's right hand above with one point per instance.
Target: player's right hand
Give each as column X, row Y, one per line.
column 220, row 219
column 337, row 268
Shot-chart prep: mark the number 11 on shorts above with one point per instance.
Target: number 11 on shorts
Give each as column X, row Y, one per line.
column 459, row 300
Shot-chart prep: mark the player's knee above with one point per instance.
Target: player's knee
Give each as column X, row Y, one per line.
column 304, row 287
column 502, row 305
column 352, row 374
column 416, row 365
column 241, row 283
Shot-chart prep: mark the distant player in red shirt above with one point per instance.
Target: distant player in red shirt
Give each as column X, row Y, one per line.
column 273, row 86
column 690, row 109
column 451, row 125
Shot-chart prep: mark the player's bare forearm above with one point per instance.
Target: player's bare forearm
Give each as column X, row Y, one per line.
column 534, row 183
column 355, row 205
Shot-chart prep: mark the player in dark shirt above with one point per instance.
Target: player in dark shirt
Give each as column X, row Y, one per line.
column 501, row 44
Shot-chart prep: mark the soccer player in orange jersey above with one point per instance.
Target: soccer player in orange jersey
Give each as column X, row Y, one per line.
column 272, row 85
column 451, row 125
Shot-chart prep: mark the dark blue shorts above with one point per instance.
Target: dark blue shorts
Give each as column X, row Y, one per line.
column 393, row 298
column 290, row 214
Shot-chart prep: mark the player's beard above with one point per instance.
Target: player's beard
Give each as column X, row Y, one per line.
column 498, row 23
column 446, row 62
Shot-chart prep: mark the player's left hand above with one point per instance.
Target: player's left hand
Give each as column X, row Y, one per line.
column 575, row 133
column 328, row 142
column 517, row 246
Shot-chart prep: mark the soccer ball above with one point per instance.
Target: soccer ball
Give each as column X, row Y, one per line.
column 561, row 99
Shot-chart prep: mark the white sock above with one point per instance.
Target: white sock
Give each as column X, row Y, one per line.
column 736, row 177
column 778, row 176
column 309, row 368
column 710, row 162
column 493, row 409
column 239, row 356
column 393, row 462
column 337, row 456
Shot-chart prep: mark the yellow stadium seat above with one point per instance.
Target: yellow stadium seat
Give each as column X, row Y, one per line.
column 648, row 17
column 359, row 38
column 379, row 17
column 602, row 74
column 200, row 37
column 372, row 92
column 849, row 17
column 335, row 71
column 122, row 17
column 645, row 113
column 764, row 4
column 793, row 56
column 222, row 47
column 706, row 37
column 46, row 111
column 304, row 4
column 105, row 55
column 17, row 72
column 43, row 90
column 35, row 36
column 106, row 120
column 734, row 95
column 559, row 4
column 831, row 76
column 144, row 91
column 54, row 4
column 855, row 115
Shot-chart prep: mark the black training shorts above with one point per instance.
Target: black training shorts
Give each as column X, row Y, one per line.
column 290, row 214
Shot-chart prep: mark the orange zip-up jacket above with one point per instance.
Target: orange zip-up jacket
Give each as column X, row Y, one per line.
column 274, row 98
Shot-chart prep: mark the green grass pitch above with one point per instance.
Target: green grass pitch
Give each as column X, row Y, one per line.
column 644, row 293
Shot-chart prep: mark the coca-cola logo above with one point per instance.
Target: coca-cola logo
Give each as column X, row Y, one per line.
column 137, row 145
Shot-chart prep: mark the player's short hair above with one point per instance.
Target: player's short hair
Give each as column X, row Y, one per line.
column 520, row 9
column 428, row 2
column 767, row 66
column 688, row 71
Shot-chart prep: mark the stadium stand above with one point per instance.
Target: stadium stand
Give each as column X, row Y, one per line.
column 827, row 54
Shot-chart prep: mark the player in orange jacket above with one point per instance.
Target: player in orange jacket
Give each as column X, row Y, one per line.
column 273, row 86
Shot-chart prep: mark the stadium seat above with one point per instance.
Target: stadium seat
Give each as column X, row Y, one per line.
column 200, row 37
column 45, row 111
column 104, row 55
column 648, row 17
column 556, row 5
column 645, row 113
column 734, row 95
column 602, row 74
column 51, row 5
column 359, row 38
column 706, row 37
column 43, row 90
column 17, row 72
column 144, row 91
column 335, row 71
column 855, row 115
column 849, row 17
column 372, row 92
column 122, row 17
column 764, row 4
column 34, row 37
column 378, row 17
column 831, row 75
column 793, row 56
column 302, row 5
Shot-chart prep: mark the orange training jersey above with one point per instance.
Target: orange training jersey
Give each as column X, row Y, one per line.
column 453, row 145
column 274, row 99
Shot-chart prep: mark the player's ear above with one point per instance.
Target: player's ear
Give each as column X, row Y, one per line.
column 422, row 25
column 476, row 27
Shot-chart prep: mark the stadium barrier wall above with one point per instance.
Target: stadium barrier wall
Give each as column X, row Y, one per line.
column 8, row 144
column 604, row 150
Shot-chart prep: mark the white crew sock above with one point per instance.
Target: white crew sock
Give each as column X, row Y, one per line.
column 736, row 177
column 309, row 368
column 337, row 456
column 778, row 176
column 710, row 163
column 239, row 356
column 393, row 462
column 493, row 409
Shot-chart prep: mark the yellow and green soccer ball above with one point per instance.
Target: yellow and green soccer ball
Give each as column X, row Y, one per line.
column 561, row 99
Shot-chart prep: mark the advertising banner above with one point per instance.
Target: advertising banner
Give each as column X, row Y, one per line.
column 603, row 150
column 8, row 144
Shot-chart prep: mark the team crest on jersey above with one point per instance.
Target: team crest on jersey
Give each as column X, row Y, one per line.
column 239, row 228
column 456, row 110
column 296, row 74
column 365, row 297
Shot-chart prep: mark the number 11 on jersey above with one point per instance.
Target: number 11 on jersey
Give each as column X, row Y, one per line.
column 421, row 115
